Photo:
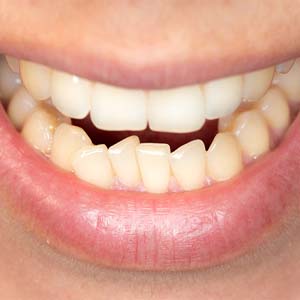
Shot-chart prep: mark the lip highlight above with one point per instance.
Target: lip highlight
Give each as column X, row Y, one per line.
column 132, row 230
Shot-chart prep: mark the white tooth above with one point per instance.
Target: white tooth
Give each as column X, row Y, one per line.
column 154, row 166
column 188, row 165
column 9, row 81
column 91, row 164
column 115, row 108
column 39, row 127
column 20, row 107
column 285, row 67
column 176, row 110
column 274, row 107
column 289, row 82
column 36, row 79
column 224, row 157
column 13, row 63
column 222, row 96
column 67, row 140
column 252, row 132
column 257, row 83
column 124, row 161
column 71, row 95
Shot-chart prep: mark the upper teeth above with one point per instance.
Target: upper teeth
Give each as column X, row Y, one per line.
column 114, row 108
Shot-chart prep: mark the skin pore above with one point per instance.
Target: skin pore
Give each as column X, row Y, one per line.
column 144, row 43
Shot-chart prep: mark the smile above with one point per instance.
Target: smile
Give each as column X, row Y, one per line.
column 152, row 179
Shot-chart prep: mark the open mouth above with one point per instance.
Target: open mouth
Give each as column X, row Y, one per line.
column 176, row 178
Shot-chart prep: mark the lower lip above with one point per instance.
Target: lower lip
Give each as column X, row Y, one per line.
column 132, row 230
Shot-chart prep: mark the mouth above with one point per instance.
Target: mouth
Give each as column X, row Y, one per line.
column 169, row 179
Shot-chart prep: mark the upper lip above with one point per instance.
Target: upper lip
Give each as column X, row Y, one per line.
column 167, row 58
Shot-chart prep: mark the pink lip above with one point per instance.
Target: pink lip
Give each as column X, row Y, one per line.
column 144, row 231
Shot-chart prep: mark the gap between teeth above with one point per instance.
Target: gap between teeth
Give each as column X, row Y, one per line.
column 254, row 111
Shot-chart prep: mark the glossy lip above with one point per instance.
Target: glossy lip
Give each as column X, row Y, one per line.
column 144, row 231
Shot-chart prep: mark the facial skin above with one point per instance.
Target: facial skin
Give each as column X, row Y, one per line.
column 142, row 43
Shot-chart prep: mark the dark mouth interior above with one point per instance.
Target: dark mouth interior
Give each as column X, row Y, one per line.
column 175, row 140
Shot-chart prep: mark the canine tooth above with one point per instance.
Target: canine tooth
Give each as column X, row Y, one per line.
column 115, row 108
column 222, row 96
column 226, row 123
column 224, row 157
column 176, row 110
column 285, row 67
column 188, row 165
column 13, row 63
column 9, row 81
column 67, row 140
column 154, row 166
column 275, row 109
column 36, row 79
column 71, row 95
column 20, row 107
column 124, row 161
column 257, row 83
column 39, row 127
column 252, row 132
column 289, row 82
column 91, row 164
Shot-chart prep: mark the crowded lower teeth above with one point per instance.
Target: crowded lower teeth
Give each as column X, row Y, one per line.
column 253, row 110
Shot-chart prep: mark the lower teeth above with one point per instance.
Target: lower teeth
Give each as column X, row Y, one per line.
column 245, row 135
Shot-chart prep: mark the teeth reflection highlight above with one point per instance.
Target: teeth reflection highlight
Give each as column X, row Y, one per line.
column 188, row 164
column 252, row 132
column 67, row 141
column 222, row 96
column 176, row 110
column 71, row 95
column 20, row 107
column 154, row 165
column 36, row 78
column 91, row 163
column 257, row 83
column 118, row 109
column 124, row 161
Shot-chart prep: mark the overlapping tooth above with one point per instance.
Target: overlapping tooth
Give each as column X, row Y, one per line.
column 188, row 164
column 252, row 132
column 257, row 83
column 176, row 110
column 285, row 67
column 71, row 95
column 67, row 140
column 124, row 161
column 224, row 157
column 20, row 107
column 36, row 78
column 9, row 81
column 154, row 166
column 222, row 96
column 92, row 164
column 40, row 126
column 289, row 82
column 275, row 109
column 13, row 63
column 115, row 108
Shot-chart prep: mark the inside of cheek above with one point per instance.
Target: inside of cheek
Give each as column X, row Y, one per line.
column 174, row 140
